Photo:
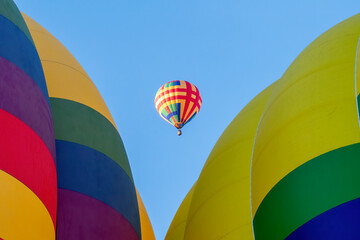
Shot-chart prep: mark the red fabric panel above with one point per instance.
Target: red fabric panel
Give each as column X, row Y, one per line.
column 26, row 157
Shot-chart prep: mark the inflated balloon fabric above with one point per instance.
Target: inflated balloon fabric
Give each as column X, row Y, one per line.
column 287, row 167
column 305, row 172
column 147, row 232
column 178, row 102
column 96, row 193
column 218, row 206
column 177, row 228
column 27, row 147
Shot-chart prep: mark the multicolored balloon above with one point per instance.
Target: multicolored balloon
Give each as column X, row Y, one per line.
column 28, row 183
column 305, row 180
column 64, row 172
column 96, row 192
column 178, row 102
column 218, row 204
column 287, row 167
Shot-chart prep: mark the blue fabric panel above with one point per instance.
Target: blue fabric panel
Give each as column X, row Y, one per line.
column 16, row 47
column 341, row 222
column 87, row 171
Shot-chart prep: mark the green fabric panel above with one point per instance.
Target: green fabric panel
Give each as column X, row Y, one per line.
column 164, row 112
column 9, row 10
column 170, row 106
column 173, row 108
column 75, row 122
column 316, row 186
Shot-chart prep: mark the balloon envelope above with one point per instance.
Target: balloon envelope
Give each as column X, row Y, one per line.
column 178, row 102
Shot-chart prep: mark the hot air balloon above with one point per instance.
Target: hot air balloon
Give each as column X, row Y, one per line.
column 28, row 203
column 178, row 102
column 287, row 166
column 96, row 194
column 64, row 171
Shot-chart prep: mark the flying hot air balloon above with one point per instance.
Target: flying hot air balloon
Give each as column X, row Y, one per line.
column 178, row 102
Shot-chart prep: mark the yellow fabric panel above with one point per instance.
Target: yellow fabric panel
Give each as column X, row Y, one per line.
column 357, row 69
column 169, row 95
column 23, row 215
column 64, row 76
column 311, row 111
column 51, row 49
column 60, row 81
column 147, row 232
column 181, row 86
column 241, row 231
column 221, row 201
column 177, row 228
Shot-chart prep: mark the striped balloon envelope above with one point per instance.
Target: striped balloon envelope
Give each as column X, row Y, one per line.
column 218, row 204
column 305, row 181
column 96, row 192
column 178, row 102
column 28, row 182
column 287, row 167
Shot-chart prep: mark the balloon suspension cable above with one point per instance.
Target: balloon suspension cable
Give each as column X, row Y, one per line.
column 179, row 132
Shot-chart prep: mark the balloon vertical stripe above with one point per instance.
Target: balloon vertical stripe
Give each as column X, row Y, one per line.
column 305, row 160
column 218, row 205
column 96, row 195
column 28, row 199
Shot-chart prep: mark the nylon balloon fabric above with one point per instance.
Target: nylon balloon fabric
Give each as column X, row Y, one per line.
column 178, row 102
column 96, row 194
column 296, row 147
column 28, row 182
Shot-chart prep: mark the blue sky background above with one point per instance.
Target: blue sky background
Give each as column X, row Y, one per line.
column 231, row 50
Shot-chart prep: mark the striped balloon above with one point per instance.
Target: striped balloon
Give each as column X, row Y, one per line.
column 178, row 102
column 218, row 205
column 296, row 146
column 305, row 171
column 27, row 148
column 96, row 193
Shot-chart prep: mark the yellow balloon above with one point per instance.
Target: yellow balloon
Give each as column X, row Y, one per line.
column 177, row 228
column 299, row 140
column 311, row 119
column 218, row 206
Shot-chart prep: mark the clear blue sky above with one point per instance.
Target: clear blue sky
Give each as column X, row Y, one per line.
column 229, row 49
